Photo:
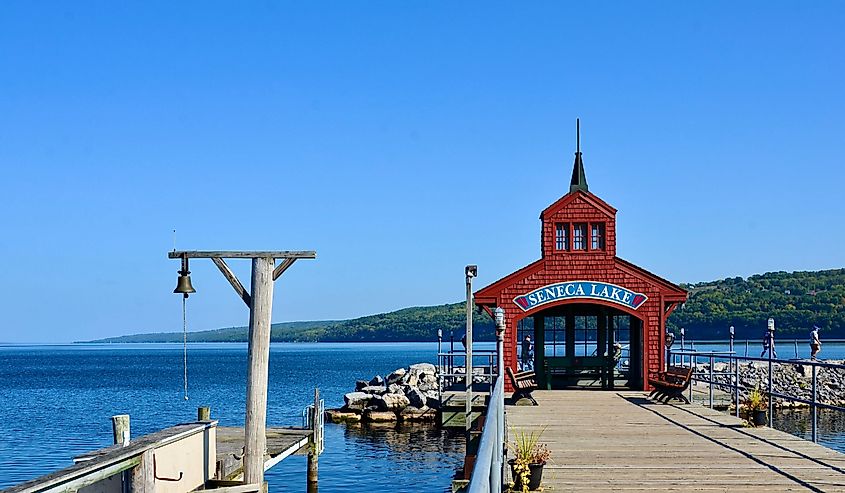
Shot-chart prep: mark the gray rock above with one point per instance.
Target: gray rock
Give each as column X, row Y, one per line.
column 395, row 402
column 411, row 379
column 374, row 389
column 396, row 376
column 360, row 384
column 415, row 397
column 372, row 416
column 413, row 414
column 357, row 400
column 395, row 388
column 376, row 381
column 422, row 368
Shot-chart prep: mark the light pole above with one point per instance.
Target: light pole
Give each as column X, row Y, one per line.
column 471, row 271
column 771, row 335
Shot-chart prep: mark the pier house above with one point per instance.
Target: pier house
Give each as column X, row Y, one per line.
column 595, row 319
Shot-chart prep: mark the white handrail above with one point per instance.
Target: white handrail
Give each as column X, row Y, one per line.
column 487, row 472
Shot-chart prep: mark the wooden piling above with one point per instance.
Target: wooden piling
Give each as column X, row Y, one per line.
column 204, row 413
column 120, row 429
column 314, row 445
column 258, row 359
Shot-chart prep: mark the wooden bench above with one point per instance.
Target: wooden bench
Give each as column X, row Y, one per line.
column 671, row 384
column 524, row 383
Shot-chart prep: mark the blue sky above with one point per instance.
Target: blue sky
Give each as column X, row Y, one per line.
column 401, row 141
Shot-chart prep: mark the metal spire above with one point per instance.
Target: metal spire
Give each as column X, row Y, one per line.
column 579, row 179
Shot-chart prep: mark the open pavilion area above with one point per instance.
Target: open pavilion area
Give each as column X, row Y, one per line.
column 621, row 441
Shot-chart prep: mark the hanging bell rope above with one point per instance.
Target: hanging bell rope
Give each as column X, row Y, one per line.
column 184, row 287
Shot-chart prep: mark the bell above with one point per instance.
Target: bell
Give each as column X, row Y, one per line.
column 183, row 285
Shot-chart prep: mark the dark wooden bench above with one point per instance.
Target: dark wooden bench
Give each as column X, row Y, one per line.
column 671, row 384
column 524, row 383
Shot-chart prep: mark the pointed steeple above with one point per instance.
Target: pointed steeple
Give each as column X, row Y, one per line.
column 579, row 179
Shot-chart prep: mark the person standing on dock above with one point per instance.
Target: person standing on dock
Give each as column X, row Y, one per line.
column 815, row 343
column 769, row 344
column 527, row 354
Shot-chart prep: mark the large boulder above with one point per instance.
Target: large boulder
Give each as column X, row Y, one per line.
column 341, row 416
column 357, row 400
column 396, row 376
column 413, row 414
column 432, row 400
column 422, row 368
column 374, row 389
column 389, row 402
column 376, row 381
column 415, row 397
column 373, row 416
column 360, row 384
column 395, row 388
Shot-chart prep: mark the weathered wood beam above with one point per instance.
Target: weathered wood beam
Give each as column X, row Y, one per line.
column 285, row 265
column 242, row 254
column 233, row 280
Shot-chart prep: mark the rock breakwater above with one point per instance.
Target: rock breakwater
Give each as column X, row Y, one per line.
column 408, row 395
column 794, row 379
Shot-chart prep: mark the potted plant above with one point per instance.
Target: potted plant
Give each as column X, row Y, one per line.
column 756, row 405
column 529, row 458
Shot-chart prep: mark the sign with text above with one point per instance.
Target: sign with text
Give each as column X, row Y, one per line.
column 591, row 290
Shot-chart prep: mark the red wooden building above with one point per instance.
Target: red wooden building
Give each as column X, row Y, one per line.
column 594, row 318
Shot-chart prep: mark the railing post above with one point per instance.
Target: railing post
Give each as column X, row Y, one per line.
column 814, row 409
column 711, row 380
column 736, row 387
column 692, row 374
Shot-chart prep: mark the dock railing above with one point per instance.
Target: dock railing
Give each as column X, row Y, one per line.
column 451, row 366
column 488, row 471
column 704, row 371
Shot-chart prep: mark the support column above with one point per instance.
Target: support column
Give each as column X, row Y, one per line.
column 540, row 349
column 258, row 367
column 601, row 344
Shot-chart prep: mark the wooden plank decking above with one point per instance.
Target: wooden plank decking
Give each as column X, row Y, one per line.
column 620, row 441
column 281, row 443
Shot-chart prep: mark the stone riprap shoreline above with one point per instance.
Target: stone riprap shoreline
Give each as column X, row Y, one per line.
column 793, row 379
column 407, row 395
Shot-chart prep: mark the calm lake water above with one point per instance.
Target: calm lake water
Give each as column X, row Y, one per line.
column 57, row 402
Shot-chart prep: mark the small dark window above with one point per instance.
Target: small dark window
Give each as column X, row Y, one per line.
column 597, row 236
column 562, row 236
column 579, row 236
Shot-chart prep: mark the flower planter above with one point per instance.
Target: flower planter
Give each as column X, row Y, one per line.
column 758, row 417
column 535, row 475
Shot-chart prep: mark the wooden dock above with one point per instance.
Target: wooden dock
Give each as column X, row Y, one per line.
column 281, row 443
column 620, row 441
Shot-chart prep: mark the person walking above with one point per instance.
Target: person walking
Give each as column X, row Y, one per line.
column 769, row 344
column 815, row 343
column 527, row 354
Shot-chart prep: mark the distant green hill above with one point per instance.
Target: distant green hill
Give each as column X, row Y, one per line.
column 796, row 300
column 407, row 325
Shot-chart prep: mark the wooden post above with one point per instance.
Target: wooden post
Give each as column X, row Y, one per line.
column 143, row 475
column 257, row 369
column 313, row 450
column 120, row 429
column 204, row 413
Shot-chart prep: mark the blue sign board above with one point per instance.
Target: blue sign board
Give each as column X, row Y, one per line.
column 591, row 290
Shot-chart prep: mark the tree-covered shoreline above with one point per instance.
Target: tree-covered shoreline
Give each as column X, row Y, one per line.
column 796, row 300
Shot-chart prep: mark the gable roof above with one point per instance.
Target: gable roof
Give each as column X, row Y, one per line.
column 588, row 197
